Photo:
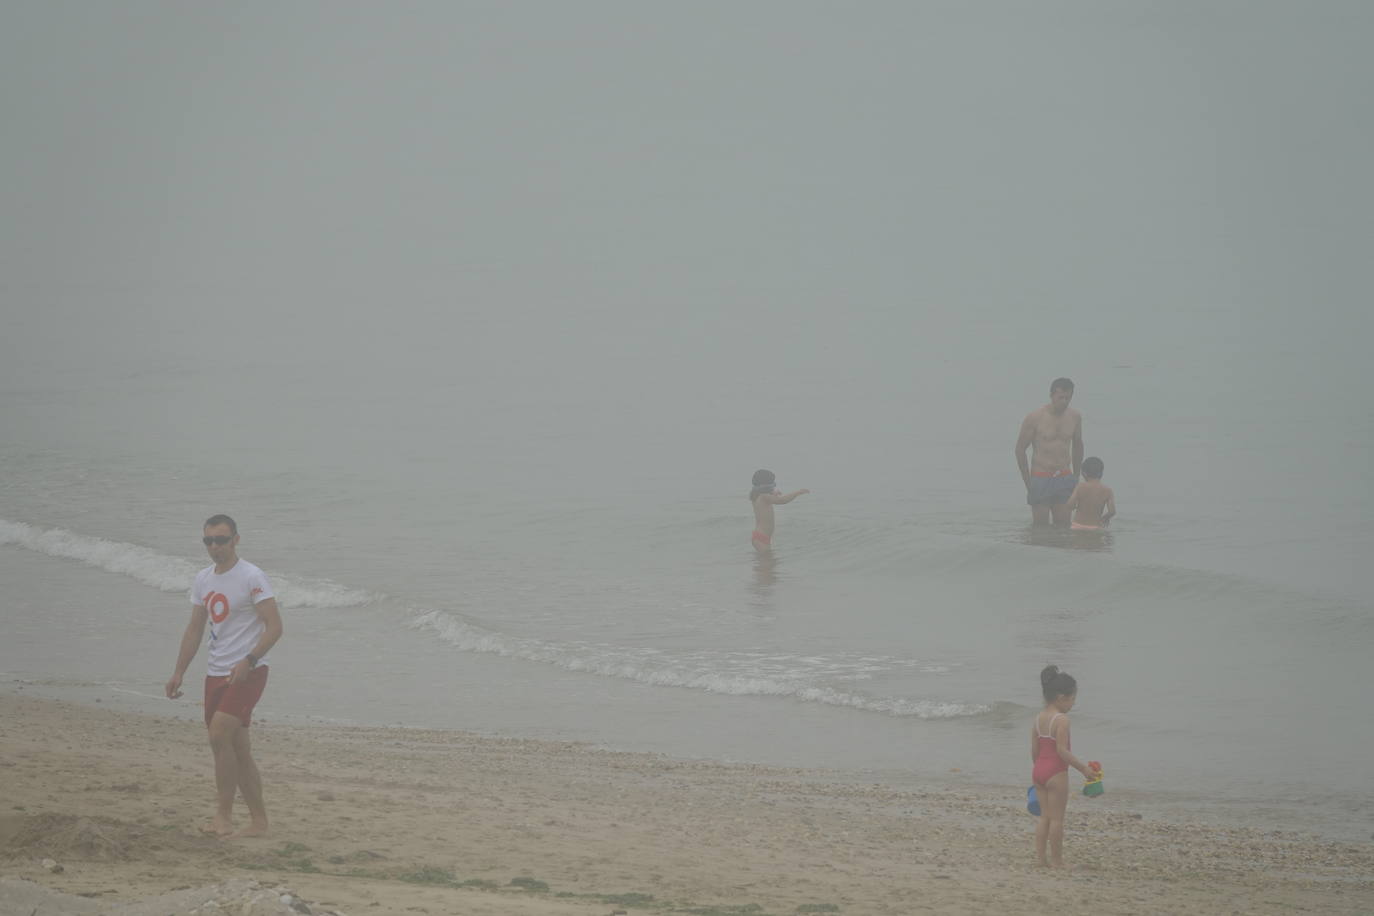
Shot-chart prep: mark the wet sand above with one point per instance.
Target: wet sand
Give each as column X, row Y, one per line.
column 384, row 820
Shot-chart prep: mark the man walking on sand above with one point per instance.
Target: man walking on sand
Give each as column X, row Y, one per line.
column 1054, row 434
column 244, row 624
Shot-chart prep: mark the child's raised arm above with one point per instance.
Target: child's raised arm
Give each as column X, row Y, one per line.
column 782, row 500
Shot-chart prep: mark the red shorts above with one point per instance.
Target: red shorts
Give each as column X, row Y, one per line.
column 238, row 699
column 761, row 539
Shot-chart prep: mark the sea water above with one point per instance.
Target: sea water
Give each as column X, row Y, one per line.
column 479, row 321
column 558, row 547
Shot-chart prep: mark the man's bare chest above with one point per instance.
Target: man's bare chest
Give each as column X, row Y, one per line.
column 1049, row 428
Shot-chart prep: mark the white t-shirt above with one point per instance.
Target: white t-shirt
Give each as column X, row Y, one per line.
column 235, row 626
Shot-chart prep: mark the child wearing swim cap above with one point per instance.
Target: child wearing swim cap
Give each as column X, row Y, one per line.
column 764, row 495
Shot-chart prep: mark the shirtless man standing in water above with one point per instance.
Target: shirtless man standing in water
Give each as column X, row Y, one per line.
column 1054, row 434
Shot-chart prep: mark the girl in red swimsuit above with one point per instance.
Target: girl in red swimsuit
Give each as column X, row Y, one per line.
column 1052, row 757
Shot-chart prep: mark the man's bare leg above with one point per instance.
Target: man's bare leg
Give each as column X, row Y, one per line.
column 1061, row 514
column 1040, row 515
column 223, row 728
column 250, row 784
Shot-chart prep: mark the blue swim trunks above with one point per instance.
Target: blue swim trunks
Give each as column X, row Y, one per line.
column 1050, row 491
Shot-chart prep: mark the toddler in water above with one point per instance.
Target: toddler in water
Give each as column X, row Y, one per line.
column 1050, row 751
column 765, row 496
column 1092, row 503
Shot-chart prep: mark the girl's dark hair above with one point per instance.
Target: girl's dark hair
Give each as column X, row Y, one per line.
column 763, row 483
column 1056, row 683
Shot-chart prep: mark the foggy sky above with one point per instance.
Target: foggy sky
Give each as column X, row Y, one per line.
column 692, row 236
column 940, row 152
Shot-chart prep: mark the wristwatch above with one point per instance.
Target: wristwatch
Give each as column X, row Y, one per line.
column 252, row 660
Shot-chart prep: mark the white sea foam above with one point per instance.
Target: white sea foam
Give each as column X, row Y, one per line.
column 738, row 674
column 164, row 572
column 318, row 593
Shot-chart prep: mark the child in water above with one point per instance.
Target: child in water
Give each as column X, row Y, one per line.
column 1052, row 757
column 1093, row 504
column 765, row 496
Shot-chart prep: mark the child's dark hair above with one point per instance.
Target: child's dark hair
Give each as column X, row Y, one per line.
column 763, row 483
column 1092, row 467
column 1056, row 683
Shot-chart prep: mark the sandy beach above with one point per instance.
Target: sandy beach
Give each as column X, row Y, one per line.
column 382, row 820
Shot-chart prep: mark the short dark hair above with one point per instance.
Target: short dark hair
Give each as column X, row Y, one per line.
column 221, row 520
column 1055, row 684
column 763, row 478
column 1092, row 467
column 1061, row 384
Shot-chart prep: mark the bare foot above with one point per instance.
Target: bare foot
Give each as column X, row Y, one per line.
column 219, row 826
column 257, row 828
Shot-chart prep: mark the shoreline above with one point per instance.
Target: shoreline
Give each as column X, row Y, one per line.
column 390, row 819
column 1187, row 805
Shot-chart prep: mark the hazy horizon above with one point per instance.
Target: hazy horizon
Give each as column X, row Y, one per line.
column 478, row 317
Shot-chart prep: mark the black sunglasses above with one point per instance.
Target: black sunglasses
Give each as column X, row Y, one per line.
column 220, row 539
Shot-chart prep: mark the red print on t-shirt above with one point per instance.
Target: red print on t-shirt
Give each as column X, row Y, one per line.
column 218, row 606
